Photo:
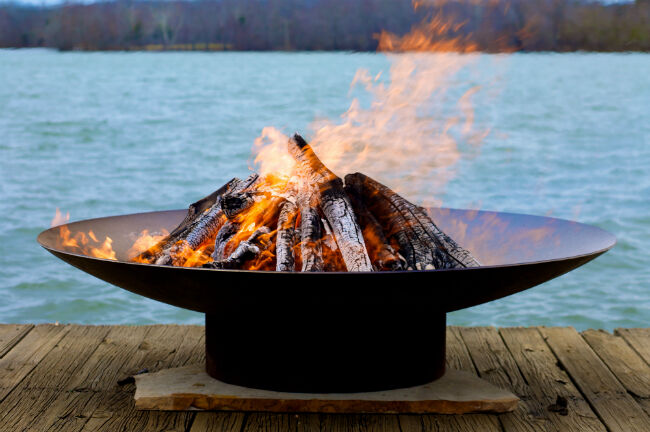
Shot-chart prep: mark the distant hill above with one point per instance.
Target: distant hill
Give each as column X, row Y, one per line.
column 498, row 25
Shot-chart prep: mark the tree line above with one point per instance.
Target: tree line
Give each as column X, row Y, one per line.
column 490, row 25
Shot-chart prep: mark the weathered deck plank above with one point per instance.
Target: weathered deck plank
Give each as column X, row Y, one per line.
column 98, row 375
column 496, row 365
column 163, row 346
column 547, row 381
column 64, row 378
column 615, row 407
column 25, row 355
column 457, row 358
column 11, row 334
column 625, row 363
column 24, row 405
column 639, row 340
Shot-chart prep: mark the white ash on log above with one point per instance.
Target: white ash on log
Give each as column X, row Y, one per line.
column 311, row 251
column 328, row 191
column 245, row 251
column 286, row 238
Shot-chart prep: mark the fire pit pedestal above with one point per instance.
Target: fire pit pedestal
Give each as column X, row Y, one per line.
column 324, row 348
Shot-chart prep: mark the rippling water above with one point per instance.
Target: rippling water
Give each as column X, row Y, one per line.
column 110, row 133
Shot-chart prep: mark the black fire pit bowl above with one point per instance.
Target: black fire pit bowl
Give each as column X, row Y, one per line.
column 342, row 332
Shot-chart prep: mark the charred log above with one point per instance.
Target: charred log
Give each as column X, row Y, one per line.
column 327, row 188
column 286, row 238
column 246, row 250
column 382, row 254
column 194, row 214
column 420, row 241
column 311, row 251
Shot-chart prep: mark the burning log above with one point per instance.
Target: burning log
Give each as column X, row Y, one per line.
column 203, row 228
column 382, row 254
column 286, row 238
column 310, row 235
column 327, row 189
column 194, row 213
column 420, row 241
column 245, row 251
column 318, row 225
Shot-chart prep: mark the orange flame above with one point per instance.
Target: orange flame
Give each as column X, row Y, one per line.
column 85, row 244
column 145, row 241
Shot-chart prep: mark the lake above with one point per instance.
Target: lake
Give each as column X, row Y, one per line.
column 98, row 134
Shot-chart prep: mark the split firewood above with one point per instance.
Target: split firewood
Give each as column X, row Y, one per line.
column 286, row 238
column 333, row 261
column 382, row 254
column 420, row 241
column 327, row 188
column 311, row 251
column 246, row 250
column 194, row 213
column 227, row 231
column 206, row 226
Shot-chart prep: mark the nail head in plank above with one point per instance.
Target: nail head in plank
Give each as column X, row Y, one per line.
column 615, row 407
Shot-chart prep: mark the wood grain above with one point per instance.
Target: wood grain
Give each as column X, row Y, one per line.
column 615, row 407
column 546, row 381
column 639, row 340
column 163, row 346
column 496, row 365
column 625, row 363
column 50, row 377
column 25, row 355
column 11, row 334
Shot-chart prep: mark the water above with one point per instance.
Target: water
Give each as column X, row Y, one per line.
column 110, row 133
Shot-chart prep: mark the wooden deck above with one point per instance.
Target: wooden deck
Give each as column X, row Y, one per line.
column 64, row 378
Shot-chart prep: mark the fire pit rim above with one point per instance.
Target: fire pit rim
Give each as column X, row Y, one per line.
column 611, row 243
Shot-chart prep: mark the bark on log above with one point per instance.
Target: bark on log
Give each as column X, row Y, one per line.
column 245, row 251
column 333, row 261
column 227, row 231
column 194, row 213
column 382, row 254
column 205, row 227
column 286, row 238
column 311, row 251
column 328, row 190
column 420, row 241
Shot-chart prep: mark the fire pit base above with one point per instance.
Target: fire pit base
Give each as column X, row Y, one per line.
column 350, row 346
column 191, row 388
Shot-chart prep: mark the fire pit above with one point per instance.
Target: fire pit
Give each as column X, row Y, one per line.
column 339, row 331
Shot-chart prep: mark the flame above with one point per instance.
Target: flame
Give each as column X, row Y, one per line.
column 84, row 243
column 145, row 241
column 59, row 219
column 414, row 131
